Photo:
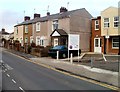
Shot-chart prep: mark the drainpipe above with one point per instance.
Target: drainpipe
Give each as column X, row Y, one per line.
column 119, row 46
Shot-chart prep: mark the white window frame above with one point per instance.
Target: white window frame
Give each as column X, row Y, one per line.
column 38, row 24
column 26, row 41
column 115, row 42
column 37, row 40
column 26, row 28
column 108, row 23
column 31, row 39
column 54, row 23
column 96, row 24
column 115, row 21
column 41, row 42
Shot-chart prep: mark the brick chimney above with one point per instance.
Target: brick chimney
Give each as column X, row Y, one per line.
column 3, row 30
column 48, row 13
column 36, row 15
column 26, row 18
column 63, row 9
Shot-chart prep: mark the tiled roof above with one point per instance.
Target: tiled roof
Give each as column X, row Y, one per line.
column 53, row 16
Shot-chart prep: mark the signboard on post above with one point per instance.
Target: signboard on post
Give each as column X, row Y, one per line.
column 73, row 42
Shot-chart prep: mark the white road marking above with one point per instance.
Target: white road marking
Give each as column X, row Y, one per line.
column 21, row 89
column 8, row 75
column 13, row 81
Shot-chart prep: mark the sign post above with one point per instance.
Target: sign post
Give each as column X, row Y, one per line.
column 73, row 43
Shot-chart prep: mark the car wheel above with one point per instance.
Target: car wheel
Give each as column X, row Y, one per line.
column 64, row 55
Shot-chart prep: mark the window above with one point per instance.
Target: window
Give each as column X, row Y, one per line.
column 55, row 25
column 96, row 43
column 116, row 21
column 26, row 40
column 106, row 22
column 96, row 25
column 20, row 40
column 31, row 39
column 38, row 26
column 16, row 30
column 37, row 40
column 115, row 42
column 41, row 42
column 26, row 29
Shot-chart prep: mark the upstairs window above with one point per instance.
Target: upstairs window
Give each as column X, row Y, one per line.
column 96, row 25
column 38, row 26
column 116, row 21
column 55, row 25
column 106, row 22
column 16, row 30
column 26, row 29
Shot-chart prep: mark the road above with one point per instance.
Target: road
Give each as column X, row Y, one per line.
column 20, row 74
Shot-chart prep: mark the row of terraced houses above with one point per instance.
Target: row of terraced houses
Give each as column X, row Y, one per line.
column 98, row 34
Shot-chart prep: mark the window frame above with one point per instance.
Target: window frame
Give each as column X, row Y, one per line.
column 96, row 25
column 16, row 30
column 54, row 23
column 115, row 21
column 108, row 23
column 26, row 28
column 26, row 41
column 115, row 42
column 38, row 24
column 37, row 40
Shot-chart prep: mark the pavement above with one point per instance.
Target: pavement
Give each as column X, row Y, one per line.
column 97, row 72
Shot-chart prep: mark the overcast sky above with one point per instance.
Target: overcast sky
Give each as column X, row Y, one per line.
column 12, row 11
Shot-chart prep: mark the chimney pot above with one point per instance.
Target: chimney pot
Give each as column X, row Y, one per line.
column 63, row 9
column 26, row 18
column 36, row 15
column 48, row 13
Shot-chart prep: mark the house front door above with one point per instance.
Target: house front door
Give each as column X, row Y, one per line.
column 97, row 45
column 55, row 41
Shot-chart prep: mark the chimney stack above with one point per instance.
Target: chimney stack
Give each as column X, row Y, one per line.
column 48, row 13
column 3, row 30
column 26, row 18
column 36, row 15
column 63, row 9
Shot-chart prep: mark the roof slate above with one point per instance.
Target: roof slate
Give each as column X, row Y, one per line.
column 53, row 16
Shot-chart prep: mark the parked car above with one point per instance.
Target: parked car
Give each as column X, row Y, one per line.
column 63, row 51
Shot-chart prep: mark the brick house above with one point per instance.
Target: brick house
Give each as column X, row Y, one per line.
column 97, row 41
column 105, row 33
column 43, row 29
column 54, row 29
column 109, row 29
column 23, row 31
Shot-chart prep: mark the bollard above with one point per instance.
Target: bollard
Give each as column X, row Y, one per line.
column 71, row 58
column 57, row 55
column 92, row 62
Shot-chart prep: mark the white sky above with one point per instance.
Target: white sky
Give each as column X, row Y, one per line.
column 12, row 11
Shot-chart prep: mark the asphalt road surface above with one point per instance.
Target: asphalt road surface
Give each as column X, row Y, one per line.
column 20, row 74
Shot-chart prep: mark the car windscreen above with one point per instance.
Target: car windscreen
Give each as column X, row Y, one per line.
column 59, row 47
